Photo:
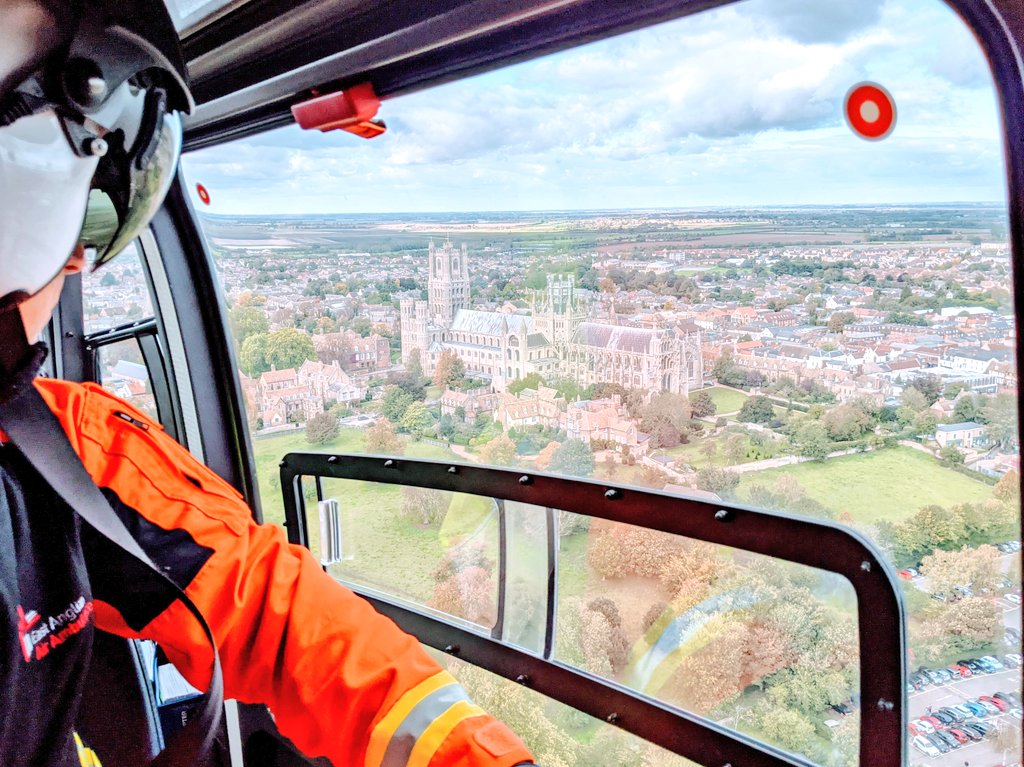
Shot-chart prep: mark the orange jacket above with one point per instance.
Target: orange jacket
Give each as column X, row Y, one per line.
column 342, row 680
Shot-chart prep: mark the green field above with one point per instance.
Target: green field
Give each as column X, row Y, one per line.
column 726, row 400
column 886, row 484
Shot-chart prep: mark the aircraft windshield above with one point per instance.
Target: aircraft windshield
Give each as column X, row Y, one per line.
column 757, row 254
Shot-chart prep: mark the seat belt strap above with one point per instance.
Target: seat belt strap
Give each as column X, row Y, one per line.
column 39, row 436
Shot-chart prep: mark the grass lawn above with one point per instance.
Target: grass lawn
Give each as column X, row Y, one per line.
column 887, row 484
column 726, row 400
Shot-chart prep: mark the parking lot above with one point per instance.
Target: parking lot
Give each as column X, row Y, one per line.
column 984, row 753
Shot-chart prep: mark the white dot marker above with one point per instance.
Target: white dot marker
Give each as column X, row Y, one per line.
column 869, row 111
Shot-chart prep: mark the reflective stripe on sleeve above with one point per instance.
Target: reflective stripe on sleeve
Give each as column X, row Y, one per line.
column 418, row 723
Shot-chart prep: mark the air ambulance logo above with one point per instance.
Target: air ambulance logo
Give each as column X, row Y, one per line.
column 37, row 634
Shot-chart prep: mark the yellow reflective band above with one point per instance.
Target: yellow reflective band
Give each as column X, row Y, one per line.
column 386, row 727
column 86, row 756
column 439, row 730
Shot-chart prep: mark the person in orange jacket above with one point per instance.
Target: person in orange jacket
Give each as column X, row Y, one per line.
column 90, row 94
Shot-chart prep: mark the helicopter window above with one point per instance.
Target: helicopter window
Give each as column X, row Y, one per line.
column 757, row 254
column 117, row 294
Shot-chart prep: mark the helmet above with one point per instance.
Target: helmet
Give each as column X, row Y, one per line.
column 89, row 130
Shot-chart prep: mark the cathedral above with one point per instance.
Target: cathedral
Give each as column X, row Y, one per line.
column 556, row 339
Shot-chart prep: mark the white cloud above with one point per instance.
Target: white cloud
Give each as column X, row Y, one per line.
column 742, row 105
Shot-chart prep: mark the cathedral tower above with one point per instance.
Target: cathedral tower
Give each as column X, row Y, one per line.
column 448, row 282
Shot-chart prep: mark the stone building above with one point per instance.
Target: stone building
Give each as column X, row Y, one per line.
column 555, row 339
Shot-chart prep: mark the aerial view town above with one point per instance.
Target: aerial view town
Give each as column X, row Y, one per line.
column 852, row 364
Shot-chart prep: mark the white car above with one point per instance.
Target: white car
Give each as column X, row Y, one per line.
column 924, row 726
column 1013, row 599
column 923, row 745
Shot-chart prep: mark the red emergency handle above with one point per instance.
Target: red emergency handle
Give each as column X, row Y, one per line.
column 349, row 110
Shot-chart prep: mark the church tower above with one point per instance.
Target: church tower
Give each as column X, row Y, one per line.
column 448, row 282
column 557, row 311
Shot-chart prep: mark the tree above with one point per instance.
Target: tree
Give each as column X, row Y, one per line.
column 1007, row 489
column 321, row 429
column 394, row 404
column 979, row 568
column 424, row 506
column 951, row 456
column 666, row 418
column 450, row 370
column 416, row 417
column 913, row 398
column 381, row 438
column 735, row 449
column 500, row 451
column 787, row 728
column 721, row 482
column 964, row 410
column 529, row 381
column 247, row 321
column 414, row 367
column 252, row 357
column 840, row 320
column 758, row 409
column 846, row 422
column 812, row 438
column 958, row 628
column 702, row 405
column 573, row 458
column 930, row 386
column 108, row 280
column 289, row 348
column 1001, row 415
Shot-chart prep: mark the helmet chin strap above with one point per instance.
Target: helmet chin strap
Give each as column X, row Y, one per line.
column 14, row 346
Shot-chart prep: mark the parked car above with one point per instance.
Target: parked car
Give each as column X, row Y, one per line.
column 1017, row 713
column 842, row 708
column 944, row 717
column 925, row 746
column 989, row 708
column 1004, row 697
column 957, row 716
column 904, row 574
column 1011, row 661
column 961, row 736
column 993, row 660
column 938, row 742
column 966, row 712
column 948, row 739
column 934, row 722
column 982, row 727
column 919, row 680
column 961, row 671
column 976, row 708
column 1013, row 599
column 972, row 730
column 918, row 727
column 973, row 665
column 1001, row 705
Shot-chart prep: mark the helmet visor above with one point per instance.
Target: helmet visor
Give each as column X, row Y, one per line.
column 108, row 232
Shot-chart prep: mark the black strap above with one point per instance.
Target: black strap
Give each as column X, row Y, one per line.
column 38, row 435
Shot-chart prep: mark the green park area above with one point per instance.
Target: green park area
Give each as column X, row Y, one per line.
column 889, row 484
column 371, row 513
column 726, row 400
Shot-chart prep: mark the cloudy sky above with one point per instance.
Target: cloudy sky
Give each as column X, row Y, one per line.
column 738, row 106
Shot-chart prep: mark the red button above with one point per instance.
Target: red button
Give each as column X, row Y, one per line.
column 870, row 111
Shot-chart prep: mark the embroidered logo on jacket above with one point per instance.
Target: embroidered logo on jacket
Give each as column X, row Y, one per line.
column 38, row 635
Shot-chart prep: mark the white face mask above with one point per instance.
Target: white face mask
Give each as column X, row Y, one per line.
column 44, row 188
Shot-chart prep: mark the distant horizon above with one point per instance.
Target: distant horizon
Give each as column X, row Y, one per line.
column 640, row 209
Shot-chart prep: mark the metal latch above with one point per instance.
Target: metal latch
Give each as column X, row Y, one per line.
column 352, row 110
column 330, row 532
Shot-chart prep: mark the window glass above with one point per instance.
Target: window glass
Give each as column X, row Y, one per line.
column 116, row 294
column 672, row 260
column 122, row 370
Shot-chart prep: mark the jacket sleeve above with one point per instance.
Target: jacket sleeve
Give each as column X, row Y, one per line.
column 342, row 680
